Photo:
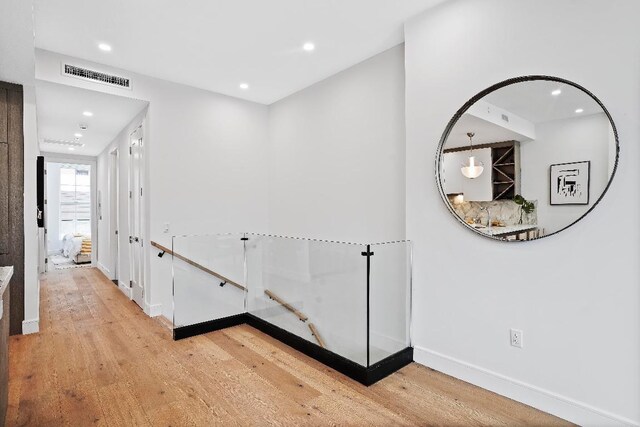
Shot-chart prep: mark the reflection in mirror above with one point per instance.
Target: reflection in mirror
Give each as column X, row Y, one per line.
column 527, row 158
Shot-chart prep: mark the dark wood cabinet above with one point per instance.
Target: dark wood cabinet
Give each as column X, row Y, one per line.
column 12, row 196
column 505, row 170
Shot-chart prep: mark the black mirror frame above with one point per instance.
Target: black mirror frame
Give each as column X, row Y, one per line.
column 481, row 95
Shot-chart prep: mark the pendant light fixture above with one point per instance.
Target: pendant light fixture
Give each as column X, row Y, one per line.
column 472, row 168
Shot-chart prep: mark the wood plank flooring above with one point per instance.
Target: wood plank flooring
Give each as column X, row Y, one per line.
column 100, row 360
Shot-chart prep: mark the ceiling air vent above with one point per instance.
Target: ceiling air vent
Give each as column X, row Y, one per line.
column 62, row 142
column 96, row 76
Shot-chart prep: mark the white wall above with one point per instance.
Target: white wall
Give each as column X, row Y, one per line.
column 207, row 169
column 102, row 183
column 336, row 155
column 563, row 141
column 17, row 66
column 493, row 114
column 16, row 42
column 205, row 158
column 31, row 231
column 575, row 295
column 105, row 260
column 336, row 171
column 54, row 243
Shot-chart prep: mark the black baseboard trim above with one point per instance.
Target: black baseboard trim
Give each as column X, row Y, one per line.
column 389, row 365
column 353, row 370
column 339, row 363
column 209, row 326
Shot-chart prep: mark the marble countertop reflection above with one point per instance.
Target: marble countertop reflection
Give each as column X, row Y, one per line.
column 506, row 230
column 5, row 276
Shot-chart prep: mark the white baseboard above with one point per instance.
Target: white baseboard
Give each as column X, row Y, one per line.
column 125, row 289
column 31, row 326
column 152, row 310
column 104, row 270
column 545, row 400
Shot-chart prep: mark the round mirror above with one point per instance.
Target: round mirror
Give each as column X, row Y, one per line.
column 527, row 158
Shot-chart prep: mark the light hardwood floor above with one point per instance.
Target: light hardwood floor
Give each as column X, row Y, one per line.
column 100, row 361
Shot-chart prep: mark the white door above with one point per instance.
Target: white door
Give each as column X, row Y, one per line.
column 114, row 197
column 136, row 241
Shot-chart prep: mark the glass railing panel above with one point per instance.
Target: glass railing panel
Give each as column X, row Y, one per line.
column 322, row 283
column 389, row 299
column 200, row 265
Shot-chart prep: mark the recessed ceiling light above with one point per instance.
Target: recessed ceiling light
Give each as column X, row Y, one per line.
column 579, row 110
column 104, row 47
column 244, row 86
column 309, row 46
column 556, row 92
column 87, row 114
column 71, row 148
column 77, row 135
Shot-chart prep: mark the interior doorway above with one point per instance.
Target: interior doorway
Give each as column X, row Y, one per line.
column 70, row 225
column 136, row 208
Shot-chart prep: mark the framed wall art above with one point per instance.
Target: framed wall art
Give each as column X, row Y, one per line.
column 570, row 183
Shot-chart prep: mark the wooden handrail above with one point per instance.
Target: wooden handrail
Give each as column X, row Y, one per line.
column 286, row 305
column 316, row 335
column 199, row 266
column 301, row 316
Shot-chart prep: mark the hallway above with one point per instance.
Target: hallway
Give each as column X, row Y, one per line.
column 100, row 360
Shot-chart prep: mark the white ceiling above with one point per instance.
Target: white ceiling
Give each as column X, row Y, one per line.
column 60, row 109
column 533, row 101
column 530, row 100
column 217, row 44
column 486, row 132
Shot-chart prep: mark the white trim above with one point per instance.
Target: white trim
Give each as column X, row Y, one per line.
column 31, row 326
column 138, row 134
column 104, row 270
column 113, row 186
column 545, row 400
column 152, row 310
column 125, row 289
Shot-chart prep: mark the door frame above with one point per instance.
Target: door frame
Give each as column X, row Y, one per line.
column 114, row 212
column 77, row 160
column 138, row 134
column 42, row 235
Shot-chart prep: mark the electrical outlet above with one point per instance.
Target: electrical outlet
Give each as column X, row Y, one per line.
column 516, row 338
column 166, row 227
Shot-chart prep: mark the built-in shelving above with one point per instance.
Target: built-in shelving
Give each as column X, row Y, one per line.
column 505, row 170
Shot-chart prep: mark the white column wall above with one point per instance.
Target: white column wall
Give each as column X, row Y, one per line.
column 336, row 155
column 575, row 295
